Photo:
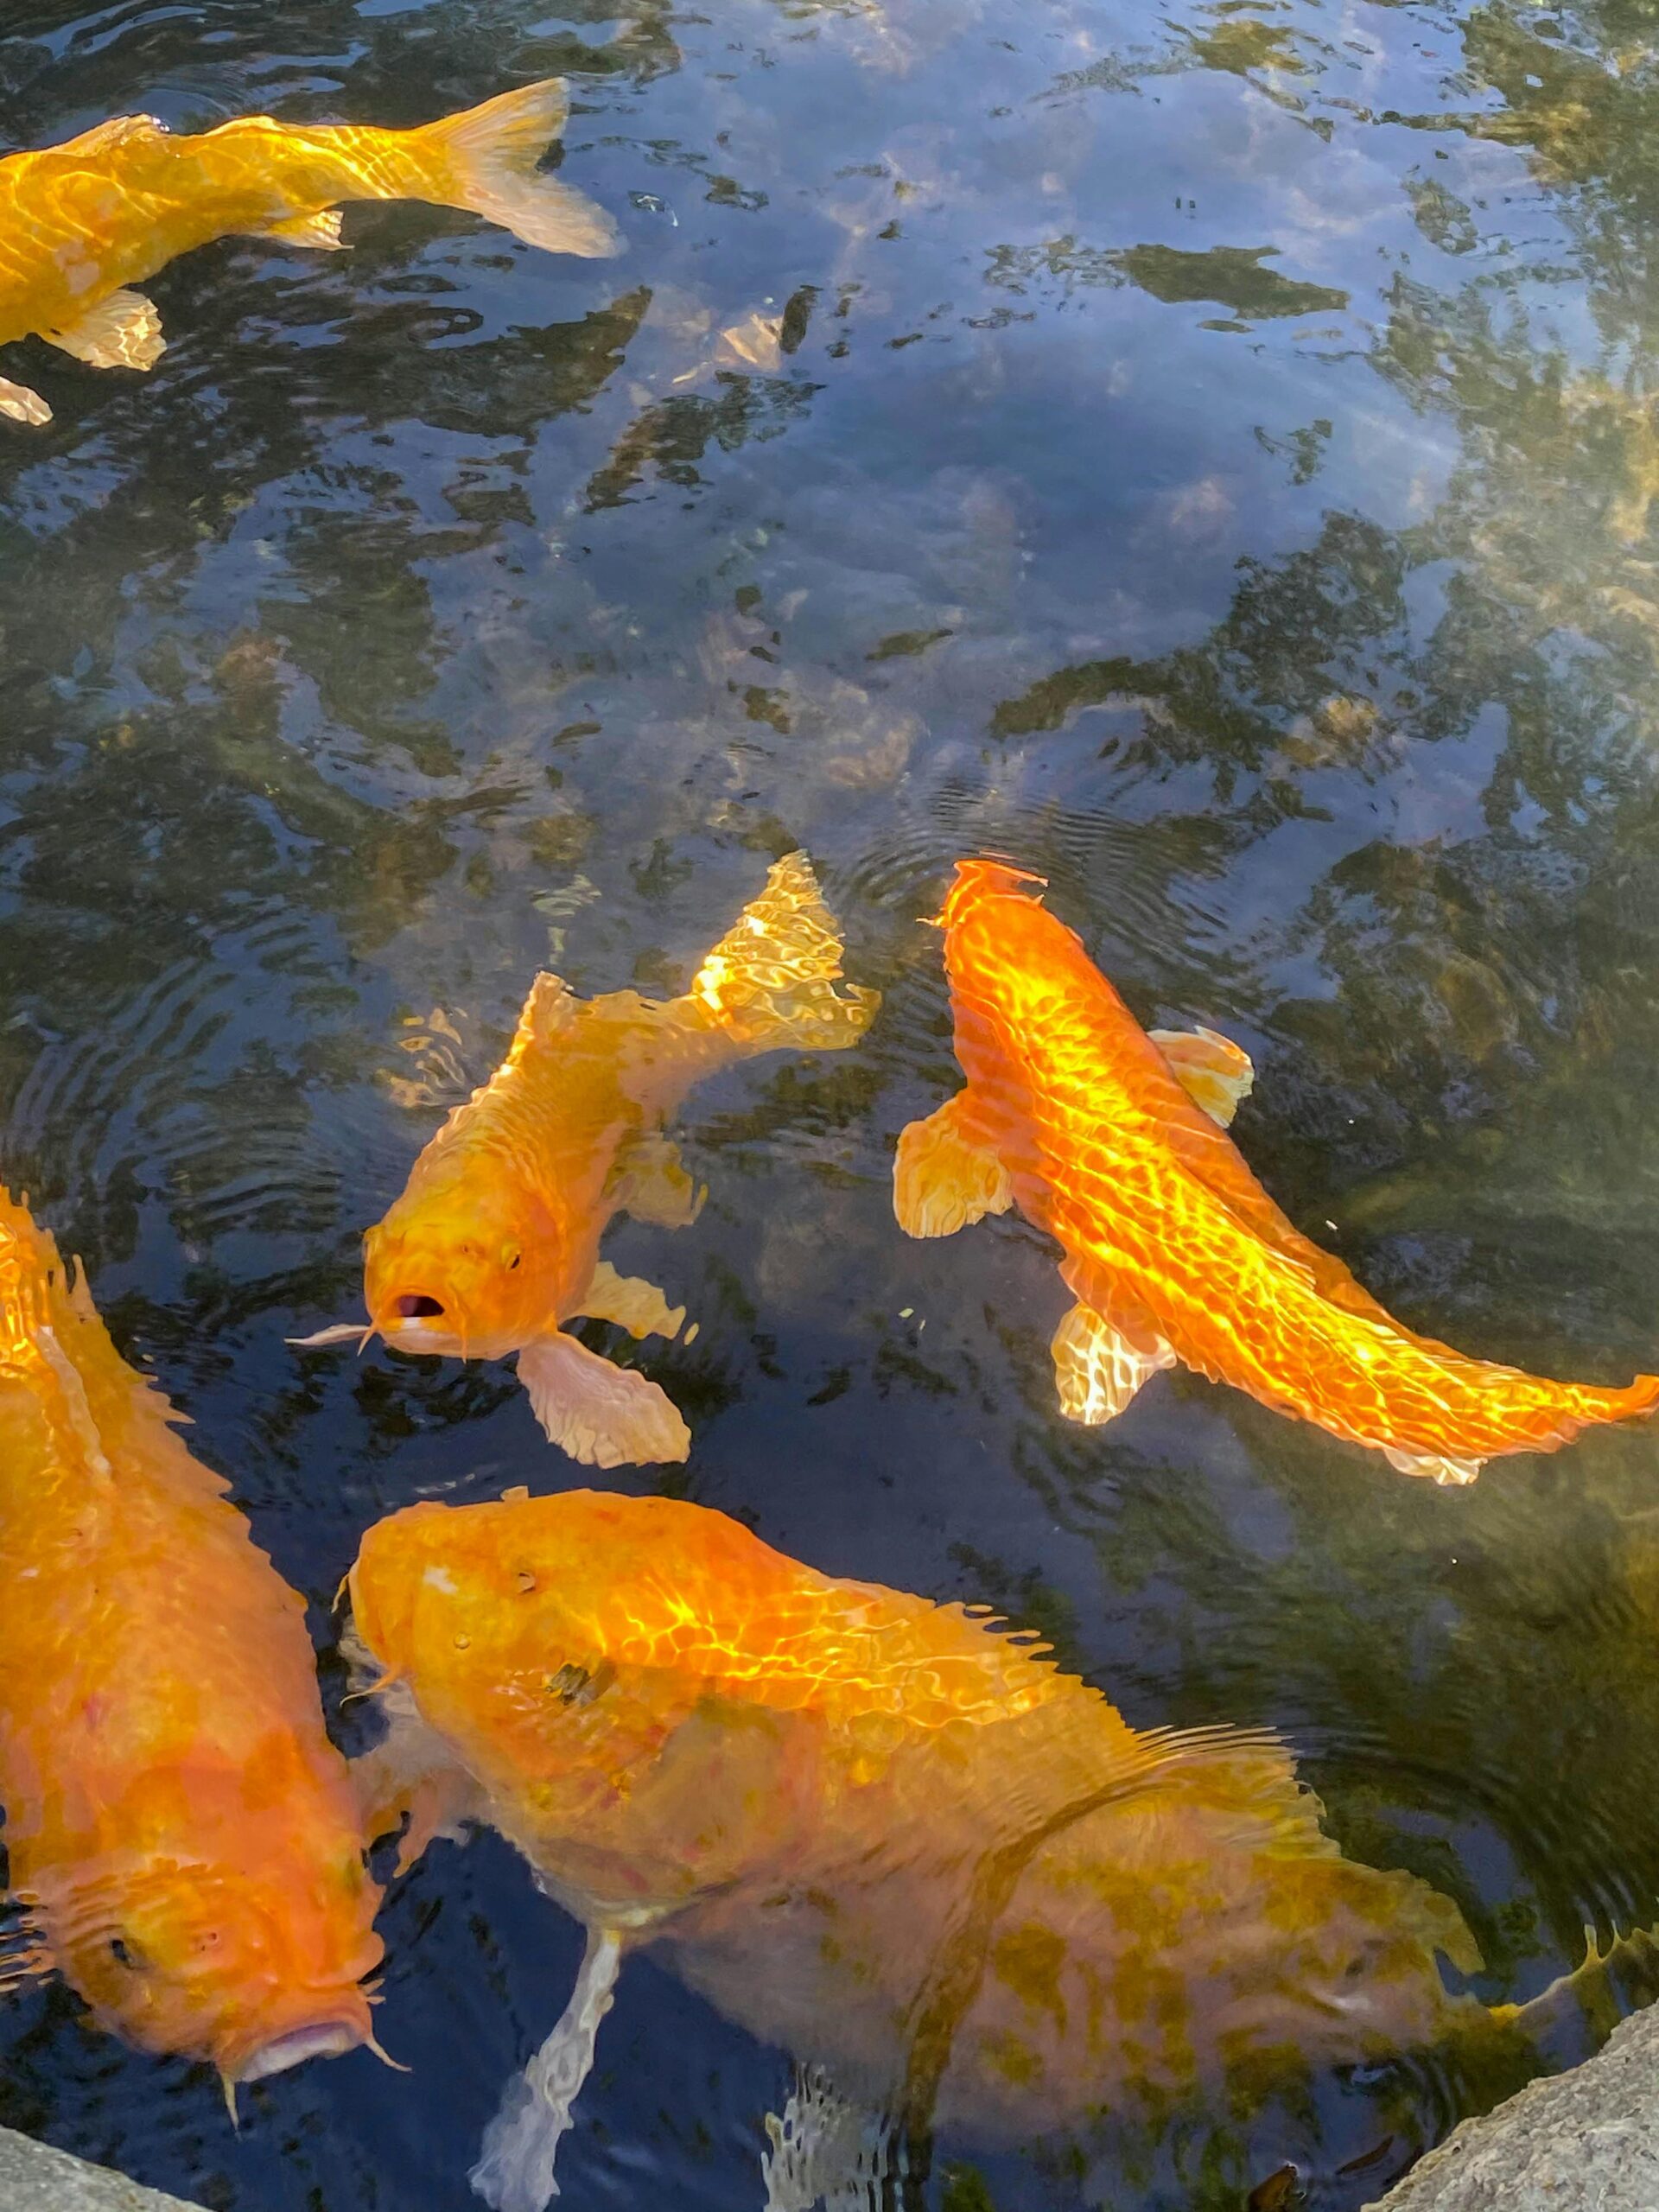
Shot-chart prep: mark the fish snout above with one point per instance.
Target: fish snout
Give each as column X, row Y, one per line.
column 315, row 2039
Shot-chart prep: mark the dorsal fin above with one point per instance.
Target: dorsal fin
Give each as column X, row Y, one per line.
column 115, row 131
column 550, row 1009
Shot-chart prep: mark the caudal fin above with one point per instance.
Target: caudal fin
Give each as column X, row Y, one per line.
column 485, row 160
column 770, row 982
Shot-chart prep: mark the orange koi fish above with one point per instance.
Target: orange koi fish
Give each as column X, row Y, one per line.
column 885, row 1834
column 1110, row 1138
column 182, row 1837
column 83, row 222
column 494, row 1242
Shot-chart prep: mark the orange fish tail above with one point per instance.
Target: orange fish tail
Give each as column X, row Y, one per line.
column 486, row 159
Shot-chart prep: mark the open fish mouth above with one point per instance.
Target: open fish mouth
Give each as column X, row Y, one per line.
column 319, row 2039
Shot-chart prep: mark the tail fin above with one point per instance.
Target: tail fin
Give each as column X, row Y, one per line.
column 770, row 980
column 485, row 160
column 1578, row 2011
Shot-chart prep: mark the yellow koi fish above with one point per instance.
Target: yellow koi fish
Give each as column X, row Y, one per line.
column 494, row 1243
column 884, row 1834
column 81, row 223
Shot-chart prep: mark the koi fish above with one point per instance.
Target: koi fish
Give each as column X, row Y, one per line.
column 885, row 1834
column 182, row 1837
column 494, row 1242
column 1110, row 1138
column 82, row 223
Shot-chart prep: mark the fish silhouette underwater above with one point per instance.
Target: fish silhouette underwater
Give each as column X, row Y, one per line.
column 887, row 1835
column 81, row 223
column 494, row 1242
column 1112, row 1139
column 182, row 1839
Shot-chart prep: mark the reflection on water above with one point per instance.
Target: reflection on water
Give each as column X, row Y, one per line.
column 1207, row 452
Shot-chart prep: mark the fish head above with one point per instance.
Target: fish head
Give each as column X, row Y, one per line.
column 510, row 1624
column 466, row 1266
column 237, row 1936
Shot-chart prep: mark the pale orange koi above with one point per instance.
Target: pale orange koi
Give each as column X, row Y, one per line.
column 885, row 1834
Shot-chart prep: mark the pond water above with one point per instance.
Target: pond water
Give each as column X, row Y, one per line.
column 1210, row 455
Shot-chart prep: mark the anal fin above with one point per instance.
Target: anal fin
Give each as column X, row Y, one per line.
column 123, row 331
column 602, row 1415
column 653, row 1184
column 1442, row 1467
column 22, row 404
column 1214, row 1073
column 945, row 1176
column 1097, row 1369
column 634, row 1304
column 319, row 231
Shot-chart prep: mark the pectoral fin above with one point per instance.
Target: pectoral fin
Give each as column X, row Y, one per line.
column 124, row 330
column 637, row 1305
column 1438, row 1466
column 945, row 1175
column 321, row 231
column 652, row 1185
column 1097, row 1369
column 1214, row 1073
column 521, row 2143
column 605, row 1416
column 24, row 1957
column 22, row 405
column 413, row 1775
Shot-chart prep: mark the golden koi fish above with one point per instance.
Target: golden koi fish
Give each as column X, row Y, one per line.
column 81, row 223
column 885, row 1834
column 494, row 1243
column 1110, row 1138
column 182, row 1834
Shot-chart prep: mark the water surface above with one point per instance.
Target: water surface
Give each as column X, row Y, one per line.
column 1209, row 454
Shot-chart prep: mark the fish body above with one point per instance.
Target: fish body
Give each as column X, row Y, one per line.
column 1112, row 1139
column 883, row 1834
column 182, row 1834
column 82, row 223
column 493, row 1244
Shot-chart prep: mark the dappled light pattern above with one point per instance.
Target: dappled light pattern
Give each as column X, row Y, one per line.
column 81, row 222
column 495, row 1241
column 887, row 1834
column 1173, row 1249
column 179, row 1829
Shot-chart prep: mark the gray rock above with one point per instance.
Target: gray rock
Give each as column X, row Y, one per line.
column 1587, row 2141
column 34, row 2178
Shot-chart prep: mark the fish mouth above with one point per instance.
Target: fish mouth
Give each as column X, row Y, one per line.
column 318, row 2039
column 416, row 1305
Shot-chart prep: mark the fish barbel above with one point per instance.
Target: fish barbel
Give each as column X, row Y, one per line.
column 181, row 1835
column 885, row 1834
column 1112, row 1139
column 82, row 223
column 494, row 1242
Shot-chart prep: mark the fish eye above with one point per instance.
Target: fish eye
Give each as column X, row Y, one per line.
column 510, row 1256
column 126, row 1953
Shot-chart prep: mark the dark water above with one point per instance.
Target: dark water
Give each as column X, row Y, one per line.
column 1213, row 461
